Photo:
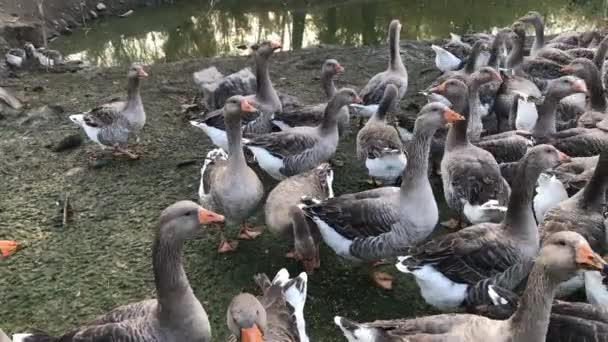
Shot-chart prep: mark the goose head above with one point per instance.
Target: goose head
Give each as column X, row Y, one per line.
column 565, row 86
column 30, row 49
column 485, row 75
column 436, row 115
column 136, row 70
column 544, row 157
column 266, row 48
column 305, row 248
column 532, row 18
column 246, row 318
column 582, row 68
column 331, row 67
column 182, row 220
column 453, row 90
column 345, row 97
column 237, row 105
column 566, row 252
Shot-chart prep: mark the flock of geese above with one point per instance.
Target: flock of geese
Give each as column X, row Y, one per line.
column 524, row 165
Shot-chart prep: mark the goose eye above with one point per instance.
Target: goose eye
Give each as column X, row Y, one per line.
column 561, row 242
column 188, row 213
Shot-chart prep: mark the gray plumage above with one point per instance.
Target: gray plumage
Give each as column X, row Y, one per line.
column 395, row 74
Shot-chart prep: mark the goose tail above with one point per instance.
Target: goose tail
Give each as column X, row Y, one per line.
column 24, row 337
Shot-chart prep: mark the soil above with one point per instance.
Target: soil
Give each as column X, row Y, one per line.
column 62, row 276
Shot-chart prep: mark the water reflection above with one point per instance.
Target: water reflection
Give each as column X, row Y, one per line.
column 191, row 29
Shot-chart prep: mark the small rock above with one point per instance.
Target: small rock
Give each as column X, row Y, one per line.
column 73, row 171
column 101, row 6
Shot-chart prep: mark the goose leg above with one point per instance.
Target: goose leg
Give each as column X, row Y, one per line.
column 382, row 280
column 453, row 223
column 118, row 150
column 247, row 232
column 226, row 245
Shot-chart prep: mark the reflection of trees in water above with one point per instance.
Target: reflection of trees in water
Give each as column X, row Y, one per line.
column 195, row 32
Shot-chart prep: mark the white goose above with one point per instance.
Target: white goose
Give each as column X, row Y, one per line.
column 445, row 60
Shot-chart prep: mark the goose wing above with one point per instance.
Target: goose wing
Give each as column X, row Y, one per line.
column 469, row 255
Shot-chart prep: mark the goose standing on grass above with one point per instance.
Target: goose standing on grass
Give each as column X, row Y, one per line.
column 312, row 115
column 396, row 73
column 380, row 223
column 379, row 145
column 176, row 315
column 471, row 176
column 111, row 124
column 265, row 100
column 445, row 267
column 287, row 153
column 276, row 316
column 228, row 184
column 561, row 256
column 284, row 217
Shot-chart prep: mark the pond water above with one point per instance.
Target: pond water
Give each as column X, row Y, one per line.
column 217, row 27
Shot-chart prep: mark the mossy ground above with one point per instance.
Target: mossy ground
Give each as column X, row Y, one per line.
column 63, row 276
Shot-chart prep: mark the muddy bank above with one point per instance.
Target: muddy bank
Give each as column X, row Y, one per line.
column 66, row 275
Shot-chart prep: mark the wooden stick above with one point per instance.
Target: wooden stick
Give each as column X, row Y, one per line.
column 67, row 210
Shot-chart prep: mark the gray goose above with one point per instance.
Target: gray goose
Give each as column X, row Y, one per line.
column 111, row 124
column 287, row 153
column 176, row 315
column 276, row 316
column 582, row 213
column 228, row 185
column 379, row 145
column 445, row 267
column 380, row 223
column 396, row 73
column 265, row 100
column 312, row 115
column 285, row 218
column 561, row 256
column 470, row 174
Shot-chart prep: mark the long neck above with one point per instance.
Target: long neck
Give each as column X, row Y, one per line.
column 495, row 50
column 469, row 67
column 475, row 125
column 395, row 62
column 169, row 276
column 236, row 157
column 418, row 157
column 531, row 320
column 596, row 90
column 264, row 86
column 327, row 81
column 457, row 134
column 545, row 124
column 594, row 192
column 133, row 96
column 330, row 120
column 516, row 56
column 519, row 219
column 539, row 39
column 600, row 54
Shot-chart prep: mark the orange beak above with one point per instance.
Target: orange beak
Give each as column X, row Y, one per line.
column 587, row 259
column 564, row 158
column 252, row 334
column 339, row 68
column 275, row 45
column 247, row 107
column 142, row 73
column 358, row 100
column 451, row 116
column 207, row 216
column 580, row 86
column 7, row 247
column 568, row 69
column 440, row 89
column 496, row 77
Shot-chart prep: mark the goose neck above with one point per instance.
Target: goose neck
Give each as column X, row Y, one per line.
column 418, row 157
column 519, row 219
column 395, row 62
column 531, row 320
column 236, row 156
column 595, row 190
column 133, row 94
column 545, row 124
column 327, row 82
column 264, row 85
column 330, row 117
column 169, row 276
column 539, row 39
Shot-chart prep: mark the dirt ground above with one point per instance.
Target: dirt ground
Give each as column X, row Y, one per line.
column 65, row 275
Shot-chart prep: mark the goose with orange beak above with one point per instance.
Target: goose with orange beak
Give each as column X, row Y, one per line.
column 377, row 224
column 228, row 184
column 147, row 321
